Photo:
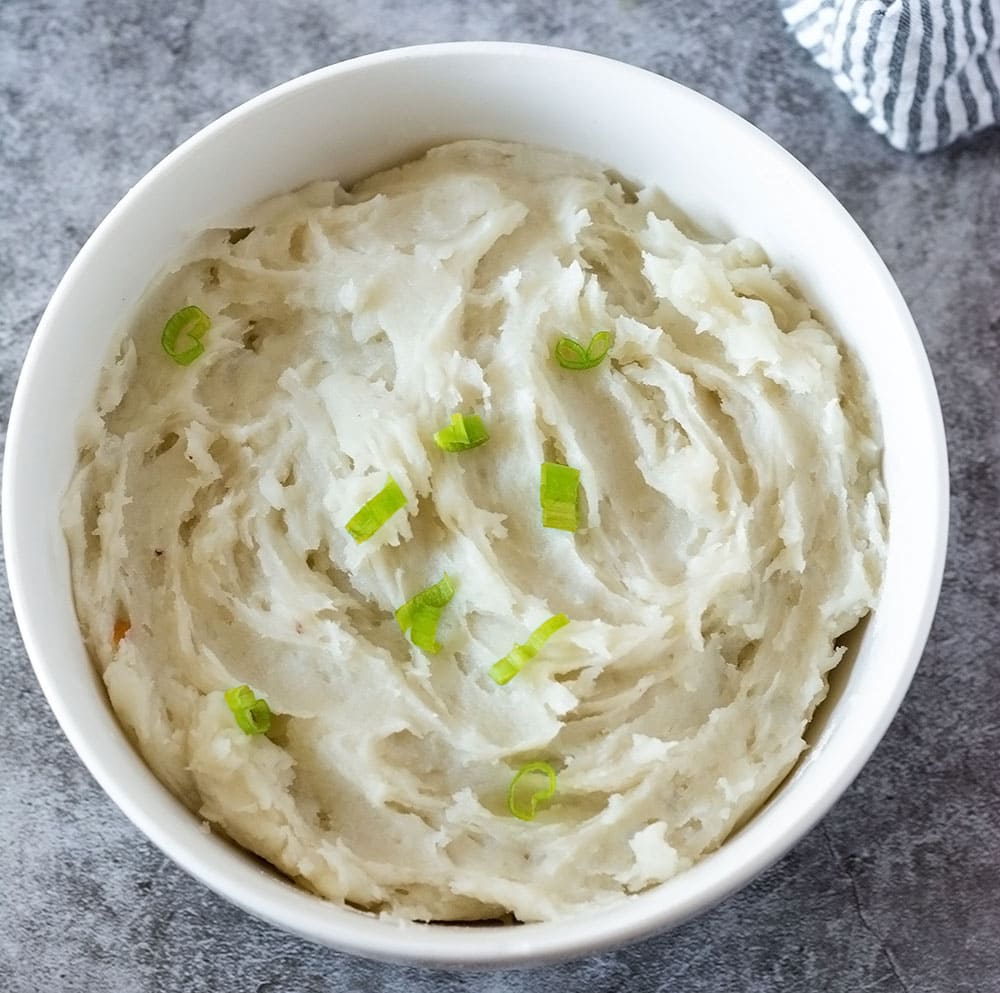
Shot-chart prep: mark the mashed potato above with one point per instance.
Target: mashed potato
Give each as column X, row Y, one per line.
column 731, row 530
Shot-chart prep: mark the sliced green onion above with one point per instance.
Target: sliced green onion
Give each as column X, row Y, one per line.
column 252, row 715
column 376, row 511
column 570, row 354
column 423, row 629
column 189, row 324
column 526, row 812
column 558, row 496
column 504, row 670
column 465, row 431
column 420, row 614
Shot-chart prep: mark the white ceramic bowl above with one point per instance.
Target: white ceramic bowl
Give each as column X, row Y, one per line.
column 345, row 122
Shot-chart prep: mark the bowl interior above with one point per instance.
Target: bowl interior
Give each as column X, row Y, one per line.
column 344, row 123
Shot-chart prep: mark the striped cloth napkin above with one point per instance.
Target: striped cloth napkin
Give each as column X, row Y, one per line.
column 924, row 72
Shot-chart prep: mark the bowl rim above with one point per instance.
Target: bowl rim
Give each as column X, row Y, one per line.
column 297, row 911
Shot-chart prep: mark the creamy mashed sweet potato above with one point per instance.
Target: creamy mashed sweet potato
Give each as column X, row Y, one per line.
column 731, row 530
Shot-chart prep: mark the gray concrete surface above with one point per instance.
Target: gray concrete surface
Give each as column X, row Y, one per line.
column 897, row 890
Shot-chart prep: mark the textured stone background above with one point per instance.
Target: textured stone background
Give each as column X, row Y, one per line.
column 898, row 889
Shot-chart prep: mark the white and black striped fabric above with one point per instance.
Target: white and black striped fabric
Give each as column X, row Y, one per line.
column 924, row 72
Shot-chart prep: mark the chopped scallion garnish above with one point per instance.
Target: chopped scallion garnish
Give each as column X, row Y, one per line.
column 570, row 354
column 252, row 715
column 189, row 324
column 420, row 614
column 465, row 431
column 504, row 670
column 376, row 511
column 525, row 811
column 558, row 496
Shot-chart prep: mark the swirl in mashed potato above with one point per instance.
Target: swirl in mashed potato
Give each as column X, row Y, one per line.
column 732, row 529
